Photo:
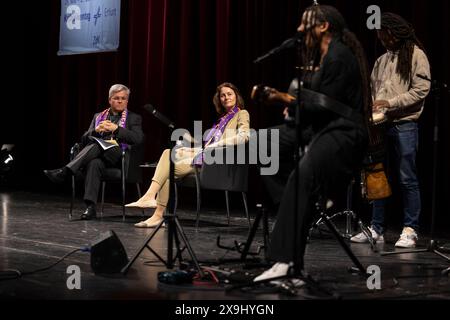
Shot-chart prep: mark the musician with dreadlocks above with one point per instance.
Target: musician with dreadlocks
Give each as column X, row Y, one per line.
column 399, row 87
column 334, row 102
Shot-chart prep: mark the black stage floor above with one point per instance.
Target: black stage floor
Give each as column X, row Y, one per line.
column 35, row 232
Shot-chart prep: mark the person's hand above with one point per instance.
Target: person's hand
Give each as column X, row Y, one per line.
column 184, row 152
column 109, row 126
column 379, row 105
column 101, row 127
column 286, row 112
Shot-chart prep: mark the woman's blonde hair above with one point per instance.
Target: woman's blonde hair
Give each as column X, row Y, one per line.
column 216, row 100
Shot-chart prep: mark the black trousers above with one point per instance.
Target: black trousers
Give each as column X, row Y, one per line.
column 276, row 183
column 94, row 160
column 331, row 159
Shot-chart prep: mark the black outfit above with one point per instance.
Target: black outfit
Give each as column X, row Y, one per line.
column 333, row 155
column 275, row 184
column 94, row 159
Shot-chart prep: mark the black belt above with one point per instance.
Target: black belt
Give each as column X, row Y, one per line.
column 402, row 122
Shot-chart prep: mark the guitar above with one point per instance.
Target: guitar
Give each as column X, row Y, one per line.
column 266, row 95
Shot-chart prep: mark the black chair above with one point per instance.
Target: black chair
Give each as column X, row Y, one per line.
column 228, row 176
column 129, row 172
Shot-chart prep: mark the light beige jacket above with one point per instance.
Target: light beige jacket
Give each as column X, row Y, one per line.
column 237, row 130
column 406, row 98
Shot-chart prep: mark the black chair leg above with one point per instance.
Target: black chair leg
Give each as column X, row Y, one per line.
column 199, row 203
column 197, row 220
column 228, row 206
column 175, row 189
column 123, row 199
column 122, row 180
column 73, row 198
column 199, row 198
column 138, row 188
column 244, row 198
column 103, row 199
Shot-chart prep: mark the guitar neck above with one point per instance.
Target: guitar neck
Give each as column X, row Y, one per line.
column 285, row 98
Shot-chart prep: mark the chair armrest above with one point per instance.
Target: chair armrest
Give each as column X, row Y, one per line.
column 230, row 154
column 133, row 158
column 74, row 150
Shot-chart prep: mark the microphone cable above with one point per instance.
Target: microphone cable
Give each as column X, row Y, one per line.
column 11, row 274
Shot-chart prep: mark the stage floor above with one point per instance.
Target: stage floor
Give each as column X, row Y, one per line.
column 35, row 232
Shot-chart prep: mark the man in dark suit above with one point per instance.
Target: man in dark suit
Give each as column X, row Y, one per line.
column 116, row 125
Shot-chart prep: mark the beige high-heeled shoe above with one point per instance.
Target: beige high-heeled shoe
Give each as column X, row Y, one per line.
column 150, row 224
column 143, row 204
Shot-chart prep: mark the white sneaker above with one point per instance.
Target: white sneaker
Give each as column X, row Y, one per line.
column 407, row 239
column 279, row 269
column 297, row 283
column 361, row 237
column 291, row 283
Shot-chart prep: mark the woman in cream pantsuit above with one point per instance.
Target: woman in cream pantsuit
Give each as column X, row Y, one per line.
column 232, row 128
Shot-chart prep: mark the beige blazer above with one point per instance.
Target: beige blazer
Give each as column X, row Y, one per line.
column 237, row 130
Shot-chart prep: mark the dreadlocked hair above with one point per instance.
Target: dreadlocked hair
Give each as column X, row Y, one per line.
column 310, row 56
column 338, row 28
column 350, row 39
column 404, row 33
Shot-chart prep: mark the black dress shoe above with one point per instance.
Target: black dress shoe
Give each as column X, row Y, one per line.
column 57, row 175
column 89, row 214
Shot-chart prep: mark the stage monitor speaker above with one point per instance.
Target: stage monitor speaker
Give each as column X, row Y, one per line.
column 108, row 254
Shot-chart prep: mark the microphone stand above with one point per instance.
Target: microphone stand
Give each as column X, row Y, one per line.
column 297, row 149
column 433, row 245
column 170, row 219
column 287, row 44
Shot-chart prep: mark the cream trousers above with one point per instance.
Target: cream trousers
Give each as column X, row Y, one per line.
column 183, row 168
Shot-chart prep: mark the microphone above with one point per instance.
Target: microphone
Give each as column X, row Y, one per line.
column 287, row 44
column 158, row 115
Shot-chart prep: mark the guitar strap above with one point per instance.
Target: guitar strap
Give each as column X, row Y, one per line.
column 317, row 99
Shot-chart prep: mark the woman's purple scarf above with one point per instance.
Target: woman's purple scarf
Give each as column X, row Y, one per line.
column 215, row 134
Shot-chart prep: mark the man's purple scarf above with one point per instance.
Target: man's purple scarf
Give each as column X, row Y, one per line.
column 215, row 134
column 122, row 122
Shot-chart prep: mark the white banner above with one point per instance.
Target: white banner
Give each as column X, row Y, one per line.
column 89, row 26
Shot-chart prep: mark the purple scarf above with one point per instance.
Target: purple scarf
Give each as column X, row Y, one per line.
column 122, row 122
column 215, row 134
